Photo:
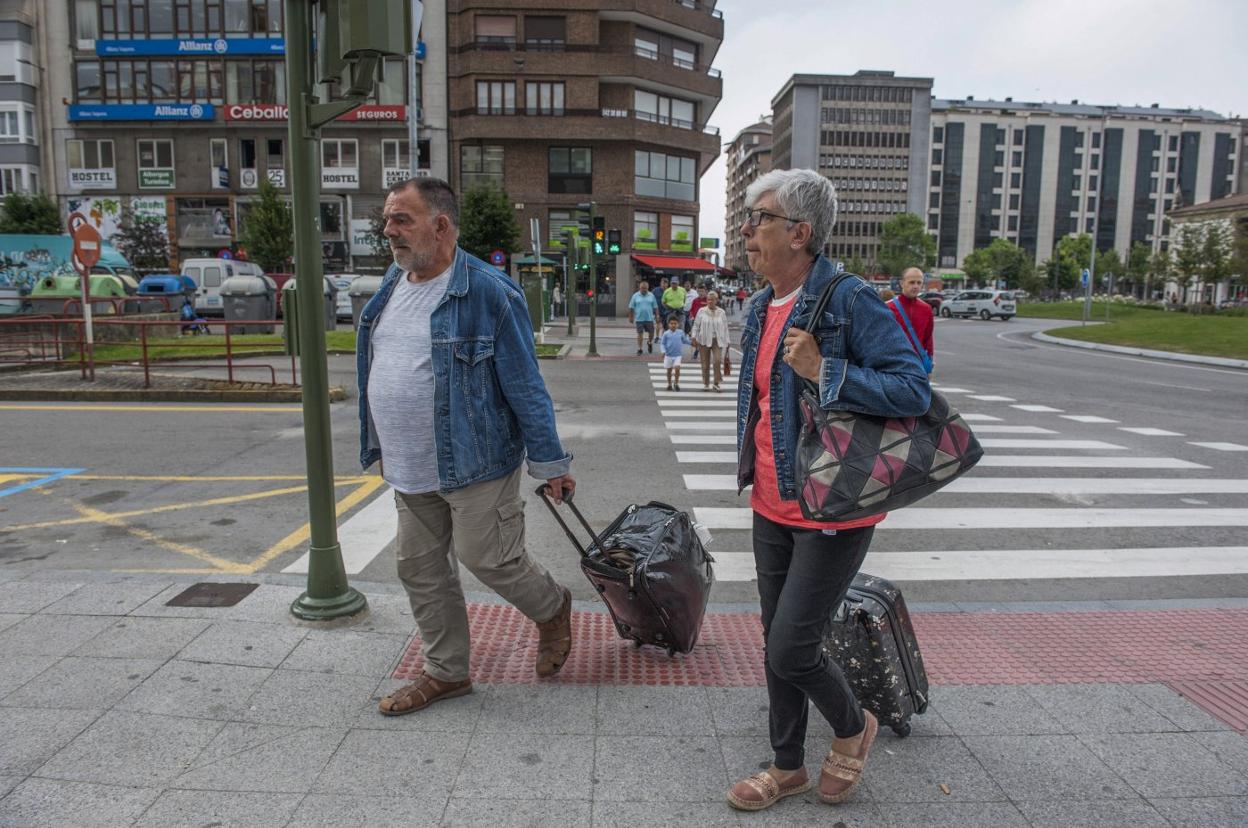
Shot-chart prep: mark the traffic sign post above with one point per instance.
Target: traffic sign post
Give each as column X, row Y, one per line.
column 591, row 207
column 87, row 243
column 1087, row 295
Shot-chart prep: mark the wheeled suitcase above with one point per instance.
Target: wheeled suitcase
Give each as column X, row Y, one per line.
column 871, row 637
column 652, row 572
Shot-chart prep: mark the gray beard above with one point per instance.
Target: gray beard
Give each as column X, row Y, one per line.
column 416, row 260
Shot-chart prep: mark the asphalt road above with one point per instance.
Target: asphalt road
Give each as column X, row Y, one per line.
column 1060, row 516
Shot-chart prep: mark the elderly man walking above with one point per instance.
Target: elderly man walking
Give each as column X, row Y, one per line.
column 451, row 402
column 915, row 316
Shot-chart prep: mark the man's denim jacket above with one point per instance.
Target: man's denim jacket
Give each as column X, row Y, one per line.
column 868, row 367
column 490, row 403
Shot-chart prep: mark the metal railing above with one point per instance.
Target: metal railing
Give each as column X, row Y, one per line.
column 49, row 341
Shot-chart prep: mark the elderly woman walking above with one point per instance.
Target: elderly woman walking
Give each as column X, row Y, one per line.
column 710, row 337
column 859, row 360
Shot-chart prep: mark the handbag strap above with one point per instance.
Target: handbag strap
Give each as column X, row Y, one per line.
column 822, row 303
column 914, row 337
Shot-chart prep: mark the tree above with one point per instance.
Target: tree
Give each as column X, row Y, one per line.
column 856, row 266
column 1239, row 247
column 487, row 222
column 1216, row 254
column 904, row 242
column 144, row 242
column 1069, row 259
column 1159, row 267
column 1001, row 260
column 269, row 231
column 1188, row 256
column 38, row 214
column 1109, row 263
column 1137, row 265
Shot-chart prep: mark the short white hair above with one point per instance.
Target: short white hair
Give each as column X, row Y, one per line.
column 801, row 194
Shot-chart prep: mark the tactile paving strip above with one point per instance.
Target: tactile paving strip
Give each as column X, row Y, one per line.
column 1194, row 647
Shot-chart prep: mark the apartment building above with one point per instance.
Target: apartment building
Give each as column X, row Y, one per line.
column 567, row 103
column 21, row 161
column 868, row 132
column 1034, row 172
column 747, row 158
column 178, row 108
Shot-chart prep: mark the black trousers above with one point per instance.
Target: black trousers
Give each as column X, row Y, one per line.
column 802, row 576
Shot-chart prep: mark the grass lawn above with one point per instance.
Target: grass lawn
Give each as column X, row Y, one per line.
column 213, row 346
column 1209, row 335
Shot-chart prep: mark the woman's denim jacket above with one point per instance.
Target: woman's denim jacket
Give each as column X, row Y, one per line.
column 868, row 367
column 485, row 372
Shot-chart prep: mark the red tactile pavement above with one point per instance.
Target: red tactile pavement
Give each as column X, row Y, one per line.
column 1190, row 646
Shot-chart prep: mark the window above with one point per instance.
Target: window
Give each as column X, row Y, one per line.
column 1018, row 137
column 682, row 233
column 1091, row 183
column 935, row 181
column 339, row 152
column 10, row 127
column 662, row 109
column 646, row 44
column 495, row 31
column 933, row 201
column 571, row 170
column 496, row 98
column 664, row 176
column 255, row 81
column 86, row 20
column 1016, row 158
column 1171, row 164
column 247, row 153
column 155, row 157
column 89, row 154
column 480, row 166
column 1169, row 186
column 545, row 34
column 1096, row 140
column 395, row 155
column 1174, row 143
column 392, row 88
column 1014, row 201
column 1016, row 180
column 556, row 222
column 996, row 179
column 543, row 98
column 219, row 157
column 645, row 230
column 937, row 156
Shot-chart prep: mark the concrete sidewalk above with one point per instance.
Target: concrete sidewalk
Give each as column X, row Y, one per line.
column 117, row 709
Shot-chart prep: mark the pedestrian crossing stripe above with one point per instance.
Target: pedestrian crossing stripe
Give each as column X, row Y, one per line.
column 927, row 519
column 686, row 403
column 989, row 428
column 1038, row 409
column 1069, row 445
column 711, row 413
column 1221, row 446
column 674, row 425
column 1087, row 418
column 1150, row 432
column 996, row 460
column 704, row 439
column 1056, row 486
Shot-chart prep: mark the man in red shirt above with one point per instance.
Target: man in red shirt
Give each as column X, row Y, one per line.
column 919, row 312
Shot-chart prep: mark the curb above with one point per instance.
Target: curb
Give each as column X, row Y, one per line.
column 563, row 352
column 1223, row 362
column 161, row 395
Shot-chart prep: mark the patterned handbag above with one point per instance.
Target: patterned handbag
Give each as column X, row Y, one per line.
column 851, row 466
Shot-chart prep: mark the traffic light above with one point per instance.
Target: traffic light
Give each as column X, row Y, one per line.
column 613, row 242
column 600, row 236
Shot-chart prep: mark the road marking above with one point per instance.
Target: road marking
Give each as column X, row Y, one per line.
column 1059, row 461
column 689, row 387
column 1221, row 446
column 1009, row 429
column 207, row 407
column 1151, row 432
column 714, row 413
column 27, row 478
column 304, row 532
column 676, row 425
column 980, row 418
column 706, row 457
column 1020, row 564
column 687, row 403
column 684, row 395
column 1039, row 409
column 233, row 478
column 364, row 535
column 991, row 398
column 942, row 389
column 1087, row 418
column 1011, row 518
column 1037, row 485
column 704, row 439
column 1009, row 442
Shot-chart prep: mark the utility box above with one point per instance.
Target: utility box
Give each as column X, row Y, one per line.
column 362, row 290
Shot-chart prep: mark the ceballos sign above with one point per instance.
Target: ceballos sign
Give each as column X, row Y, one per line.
column 280, row 112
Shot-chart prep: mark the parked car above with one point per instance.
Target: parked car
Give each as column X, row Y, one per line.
column 982, row 303
column 934, row 299
column 342, row 282
column 208, row 274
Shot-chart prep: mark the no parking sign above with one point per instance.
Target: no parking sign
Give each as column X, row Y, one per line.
column 498, row 258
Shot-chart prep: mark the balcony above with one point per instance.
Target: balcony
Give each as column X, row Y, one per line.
column 590, row 125
column 691, row 19
column 633, row 66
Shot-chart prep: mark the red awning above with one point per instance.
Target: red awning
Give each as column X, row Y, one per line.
column 676, row 263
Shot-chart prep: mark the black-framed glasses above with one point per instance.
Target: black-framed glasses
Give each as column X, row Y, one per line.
column 755, row 216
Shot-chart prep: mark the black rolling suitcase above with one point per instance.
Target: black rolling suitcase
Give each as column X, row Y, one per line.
column 872, row 639
column 651, row 570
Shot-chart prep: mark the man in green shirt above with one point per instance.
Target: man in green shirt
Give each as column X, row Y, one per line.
column 674, row 302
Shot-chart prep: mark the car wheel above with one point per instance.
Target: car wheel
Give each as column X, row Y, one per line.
column 1007, row 318
column 945, row 312
column 985, row 315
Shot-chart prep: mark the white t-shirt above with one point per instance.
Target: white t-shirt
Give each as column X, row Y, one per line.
column 400, row 385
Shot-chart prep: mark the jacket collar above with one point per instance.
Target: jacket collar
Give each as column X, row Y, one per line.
column 459, row 274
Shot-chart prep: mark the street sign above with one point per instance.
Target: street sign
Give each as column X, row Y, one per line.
column 86, row 254
column 498, row 258
column 1084, row 279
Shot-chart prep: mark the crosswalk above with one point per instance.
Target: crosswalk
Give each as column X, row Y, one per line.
column 1050, row 488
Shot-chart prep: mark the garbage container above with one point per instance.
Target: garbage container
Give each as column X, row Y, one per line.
column 155, row 289
column 290, row 315
column 249, row 298
column 363, row 288
column 49, row 294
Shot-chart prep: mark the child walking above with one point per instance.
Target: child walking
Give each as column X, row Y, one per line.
column 673, row 343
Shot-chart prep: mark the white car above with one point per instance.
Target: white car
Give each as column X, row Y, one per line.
column 982, row 303
column 342, row 281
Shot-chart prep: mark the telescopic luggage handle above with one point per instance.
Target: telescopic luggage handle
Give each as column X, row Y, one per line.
column 567, row 498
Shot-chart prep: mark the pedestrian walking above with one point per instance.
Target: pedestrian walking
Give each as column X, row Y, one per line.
column 673, row 343
column 740, row 298
column 710, row 338
column 694, row 301
column 915, row 316
column 642, row 308
column 658, row 297
column 856, row 359
column 556, row 301
column 451, row 402
column 673, row 301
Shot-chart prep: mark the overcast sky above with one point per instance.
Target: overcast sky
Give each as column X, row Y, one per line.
column 1178, row 53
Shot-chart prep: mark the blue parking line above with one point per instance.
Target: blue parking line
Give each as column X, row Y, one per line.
column 49, row 476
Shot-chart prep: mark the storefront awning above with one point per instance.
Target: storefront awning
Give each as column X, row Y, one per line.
column 528, row 260
column 678, row 264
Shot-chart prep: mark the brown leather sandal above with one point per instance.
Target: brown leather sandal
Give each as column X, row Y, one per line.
column 841, row 773
column 762, row 790
column 420, row 694
column 554, row 638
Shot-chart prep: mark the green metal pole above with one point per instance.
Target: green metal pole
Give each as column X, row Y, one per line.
column 593, row 286
column 328, row 595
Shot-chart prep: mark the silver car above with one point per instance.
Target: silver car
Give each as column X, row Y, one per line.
column 342, row 281
column 982, row 303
